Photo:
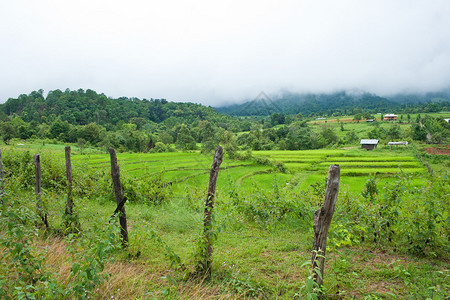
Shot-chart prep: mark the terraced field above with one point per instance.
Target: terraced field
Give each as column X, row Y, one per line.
column 356, row 165
column 302, row 167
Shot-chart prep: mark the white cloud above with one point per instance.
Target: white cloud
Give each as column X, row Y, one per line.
column 212, row 51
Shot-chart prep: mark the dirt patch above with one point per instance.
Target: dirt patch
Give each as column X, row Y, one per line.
column 445, row 150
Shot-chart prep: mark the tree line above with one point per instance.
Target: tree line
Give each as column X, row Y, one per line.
column 141, row 125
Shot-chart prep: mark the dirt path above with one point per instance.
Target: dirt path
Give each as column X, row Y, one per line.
column 439, row 151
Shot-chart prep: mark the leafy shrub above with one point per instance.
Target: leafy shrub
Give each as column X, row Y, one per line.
column 22, row 264
column 20, row 174
column 269, row 206
column 159, row 147
column 154, row 190
column 426, row 228
column 262, row 161
column 24, row 273
column 18, row 168
column 88, row 264
column 370, row 188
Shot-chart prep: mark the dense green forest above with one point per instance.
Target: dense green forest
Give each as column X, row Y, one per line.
column 339, row 103
column 156, row 125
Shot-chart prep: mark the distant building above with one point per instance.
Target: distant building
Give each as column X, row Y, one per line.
column 390, row 144
column 389, row 117
column 370, row 120
column 368, row 144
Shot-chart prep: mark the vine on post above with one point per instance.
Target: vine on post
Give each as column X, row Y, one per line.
column 115, row 174
column 205, row 259
column 322, row 221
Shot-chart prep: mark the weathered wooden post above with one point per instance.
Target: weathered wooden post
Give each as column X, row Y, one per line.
column 2, row 179
column 322, row 221
column 115, row 174
column 71, row 221
column 69, row 204
column 39, row 205
column 204, row 268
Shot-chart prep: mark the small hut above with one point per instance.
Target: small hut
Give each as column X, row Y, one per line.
column 389, row 117
column 368, row 144
column 390, row 144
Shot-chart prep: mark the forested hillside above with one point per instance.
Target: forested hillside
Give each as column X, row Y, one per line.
column 340, row 103
column 141, row 125
column 83, row 107
column 129, row 124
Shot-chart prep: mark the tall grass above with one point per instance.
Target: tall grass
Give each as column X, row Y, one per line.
column 398, row 237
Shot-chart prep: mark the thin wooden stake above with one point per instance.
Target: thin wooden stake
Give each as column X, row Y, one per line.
column 115, row 174
column 39, row 205
column 322, row 221
column 71, row 222
column 205, row 266
column 69, row 204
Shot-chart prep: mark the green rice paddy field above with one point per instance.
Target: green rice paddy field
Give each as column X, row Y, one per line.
column 264, row 239
column 302, row 168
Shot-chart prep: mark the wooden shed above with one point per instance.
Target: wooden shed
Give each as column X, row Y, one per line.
column 368, row 144
column 389, row 117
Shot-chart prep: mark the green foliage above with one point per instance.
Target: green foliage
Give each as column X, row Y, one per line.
column 311, row 290
column 23, row 267
column 7, row 131
column 370, row 189
column 159, row 147
column 244, row 287
column 19, row 168
column 351, row 137
column 426, row 225
column 437, row 128
column 152, row 191
column 277, row 119
column 185, row 141
column 266, row 208
column 339, row 103
column 327, row 137
column 358, row 117
column 25, row 274
column 319, row 188
column 270, row 225
column 88, row 265
column 418, row 133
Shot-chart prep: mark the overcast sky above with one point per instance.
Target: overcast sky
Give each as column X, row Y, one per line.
column 213, row 52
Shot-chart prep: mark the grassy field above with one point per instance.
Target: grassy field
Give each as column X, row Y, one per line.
column 192, row 168
column 262, row 221
column 362, row 128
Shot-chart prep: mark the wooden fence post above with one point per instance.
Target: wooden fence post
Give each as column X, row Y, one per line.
column 205, row 266
column 69, row 204
column 322, row 221
column 2, row 179
column 115, row 174
column 72, row 223
column 39, row 205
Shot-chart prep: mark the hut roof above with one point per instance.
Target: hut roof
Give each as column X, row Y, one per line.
column 368, row 142
column 398, row 143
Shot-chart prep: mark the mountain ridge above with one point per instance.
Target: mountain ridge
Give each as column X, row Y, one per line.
column 343, row 102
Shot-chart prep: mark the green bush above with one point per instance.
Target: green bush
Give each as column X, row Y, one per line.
column 159, row 147
column 154, row 190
